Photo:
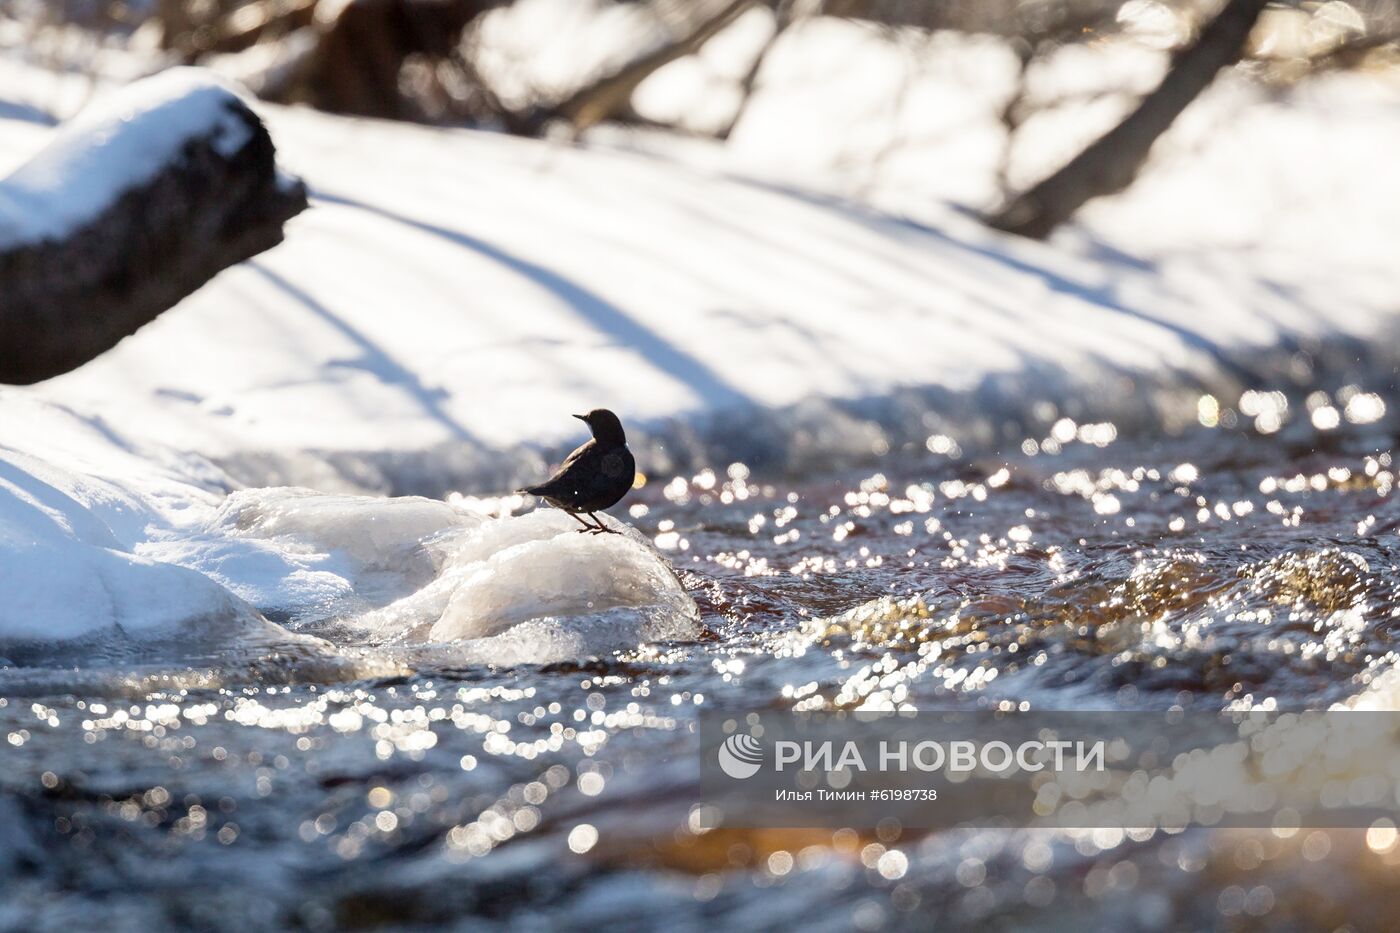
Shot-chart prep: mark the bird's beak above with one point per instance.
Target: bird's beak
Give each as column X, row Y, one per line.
column 583, row 418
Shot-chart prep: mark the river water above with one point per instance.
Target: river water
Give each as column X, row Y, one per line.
column 1245, row 567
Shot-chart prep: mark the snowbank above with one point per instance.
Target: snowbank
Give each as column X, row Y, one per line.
column 432, row 321
column 66, row 576
column 71, row 577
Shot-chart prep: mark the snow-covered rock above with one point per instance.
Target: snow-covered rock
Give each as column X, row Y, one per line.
column 118, row 143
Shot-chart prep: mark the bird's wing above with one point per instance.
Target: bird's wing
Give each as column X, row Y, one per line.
column 574, row 457
column 558, row 474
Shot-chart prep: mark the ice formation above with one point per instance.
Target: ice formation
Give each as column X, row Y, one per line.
column 414, row 571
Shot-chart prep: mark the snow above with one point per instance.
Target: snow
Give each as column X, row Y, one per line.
column 434, row 318
column 151, row 554
column 303, row 555
column 439, row 321
column 454, row 295
column 544, row 48
column 69, row 576
column 411, row 570
column 117, row 143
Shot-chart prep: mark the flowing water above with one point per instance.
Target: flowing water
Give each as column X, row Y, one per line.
column 402, row 784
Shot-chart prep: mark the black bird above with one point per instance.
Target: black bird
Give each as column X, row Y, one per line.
column 594, row 477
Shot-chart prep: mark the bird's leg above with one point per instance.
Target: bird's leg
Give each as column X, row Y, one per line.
column 587, row 528
column 602, row 529
column 596, row 528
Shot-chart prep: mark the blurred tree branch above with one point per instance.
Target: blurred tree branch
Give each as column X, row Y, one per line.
column 783, row 17
column 1353, row 51
column 361, row 50
column 1110, row 164
column 416, row 59
column 192, row 31
column 610, row 95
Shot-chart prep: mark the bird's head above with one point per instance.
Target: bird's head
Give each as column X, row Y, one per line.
column 605, row 426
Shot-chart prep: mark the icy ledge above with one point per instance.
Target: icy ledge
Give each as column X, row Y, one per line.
column 141, row 563
column 412, row 571
column 69, row 583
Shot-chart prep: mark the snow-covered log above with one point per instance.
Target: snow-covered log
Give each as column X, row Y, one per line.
column 134, row 204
